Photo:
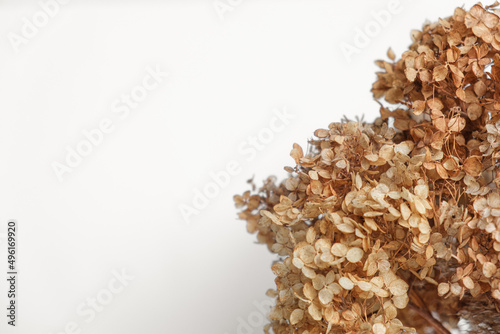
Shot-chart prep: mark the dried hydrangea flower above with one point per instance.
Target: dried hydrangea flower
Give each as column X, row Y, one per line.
column 396, row 229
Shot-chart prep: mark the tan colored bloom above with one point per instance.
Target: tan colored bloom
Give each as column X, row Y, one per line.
column 379, row 226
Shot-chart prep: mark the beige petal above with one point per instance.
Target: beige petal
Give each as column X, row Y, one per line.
column 354, row 254
column 296, row 316
column 346, row 283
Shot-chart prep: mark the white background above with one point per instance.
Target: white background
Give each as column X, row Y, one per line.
column 119, row 208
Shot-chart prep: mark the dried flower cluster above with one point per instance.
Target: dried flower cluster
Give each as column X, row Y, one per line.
column 396, row 229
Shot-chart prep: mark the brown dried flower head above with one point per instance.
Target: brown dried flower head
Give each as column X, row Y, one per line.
column 396, row 228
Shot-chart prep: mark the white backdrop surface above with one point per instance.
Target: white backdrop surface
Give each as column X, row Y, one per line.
column 116, row 116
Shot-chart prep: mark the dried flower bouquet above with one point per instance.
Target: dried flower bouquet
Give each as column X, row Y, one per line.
column 396, row 229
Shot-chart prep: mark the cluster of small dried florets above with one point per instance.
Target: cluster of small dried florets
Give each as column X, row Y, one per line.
column 378, row 228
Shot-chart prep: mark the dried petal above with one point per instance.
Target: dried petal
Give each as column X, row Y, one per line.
column 443, row 288
column 325, row 296
column 354, row 254
column 296, row 316
column 440, row 72
column 379, row 329
column 346, row 283
column 398, row 287
column 339, row 249
column 489, row 269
